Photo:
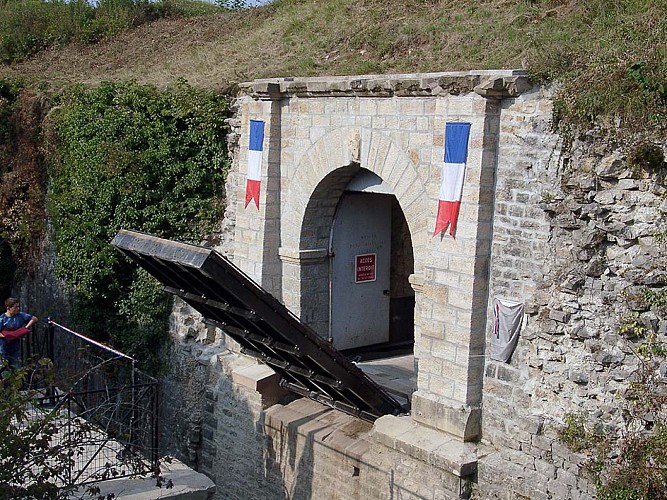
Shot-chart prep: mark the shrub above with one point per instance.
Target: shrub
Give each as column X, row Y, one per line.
column 133, row 157
column 29, row 26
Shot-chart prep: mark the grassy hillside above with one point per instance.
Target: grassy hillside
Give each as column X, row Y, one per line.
column 613, row 51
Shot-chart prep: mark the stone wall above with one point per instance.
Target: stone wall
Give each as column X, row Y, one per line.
column 575, row 241
column 254, row 449
column 573, row 238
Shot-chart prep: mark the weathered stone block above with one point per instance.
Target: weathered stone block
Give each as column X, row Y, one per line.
column 463, row 422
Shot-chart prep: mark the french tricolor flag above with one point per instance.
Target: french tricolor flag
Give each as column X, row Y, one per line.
column 254, row 177
column 453, row 172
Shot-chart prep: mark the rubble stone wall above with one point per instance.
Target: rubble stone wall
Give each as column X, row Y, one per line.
column 575, row 241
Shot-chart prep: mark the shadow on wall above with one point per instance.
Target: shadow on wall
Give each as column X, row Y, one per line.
column 319, row 452
column 234, row 441
column 216, row 425
column 280, row 461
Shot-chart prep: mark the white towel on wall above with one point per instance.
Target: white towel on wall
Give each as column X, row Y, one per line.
column 507, row 324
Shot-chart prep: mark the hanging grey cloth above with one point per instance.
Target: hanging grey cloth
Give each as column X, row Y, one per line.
column 508, row 320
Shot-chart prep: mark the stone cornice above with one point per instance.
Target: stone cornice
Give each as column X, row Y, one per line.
column 496, row 84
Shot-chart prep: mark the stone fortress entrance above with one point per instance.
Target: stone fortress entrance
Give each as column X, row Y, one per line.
column 350, row 173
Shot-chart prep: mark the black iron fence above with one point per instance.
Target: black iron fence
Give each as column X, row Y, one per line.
column 105, row 408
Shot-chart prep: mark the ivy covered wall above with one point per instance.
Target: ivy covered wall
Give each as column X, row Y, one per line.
column 120, row 155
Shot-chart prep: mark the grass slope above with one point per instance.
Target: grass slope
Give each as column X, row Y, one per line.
column 609, row 54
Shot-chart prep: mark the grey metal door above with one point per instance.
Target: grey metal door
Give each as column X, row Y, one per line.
column 360, row 271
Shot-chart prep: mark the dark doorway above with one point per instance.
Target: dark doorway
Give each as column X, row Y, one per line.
column 7, row 269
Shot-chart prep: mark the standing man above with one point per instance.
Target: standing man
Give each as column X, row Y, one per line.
column 13, row 319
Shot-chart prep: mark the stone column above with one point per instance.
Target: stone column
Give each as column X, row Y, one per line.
column 258, row 231
column 300, row 266
column 451, row 323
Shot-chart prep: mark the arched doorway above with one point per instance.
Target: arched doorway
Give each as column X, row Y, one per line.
column 372, row 302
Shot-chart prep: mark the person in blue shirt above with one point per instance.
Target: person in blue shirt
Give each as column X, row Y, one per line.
column 13, row 319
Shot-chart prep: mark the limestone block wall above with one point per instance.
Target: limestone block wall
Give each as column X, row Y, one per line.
column 255, row 449
column 182, row 388
column 233, row 441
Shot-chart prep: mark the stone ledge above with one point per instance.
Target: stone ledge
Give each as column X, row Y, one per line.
column 492, row 83
column 294, row 256
column 428, row 445
column 259, row 378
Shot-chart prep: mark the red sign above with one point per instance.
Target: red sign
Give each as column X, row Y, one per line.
column 364, row 268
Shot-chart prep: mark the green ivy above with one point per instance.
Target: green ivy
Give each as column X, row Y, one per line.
column 132, row 157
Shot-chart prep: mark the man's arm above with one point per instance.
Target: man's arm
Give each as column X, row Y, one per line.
column 33, row 320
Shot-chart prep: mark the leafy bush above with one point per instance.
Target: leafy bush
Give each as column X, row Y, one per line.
column 132, row 157
column 28, row 26
column 34, row 453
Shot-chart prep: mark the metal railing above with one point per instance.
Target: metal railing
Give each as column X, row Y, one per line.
column 105, row 408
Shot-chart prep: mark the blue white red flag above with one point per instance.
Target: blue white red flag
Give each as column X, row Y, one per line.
column 254, row 175
column 453, row 173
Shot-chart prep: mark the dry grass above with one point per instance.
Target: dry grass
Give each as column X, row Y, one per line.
column 590, row 46
column 294, row 38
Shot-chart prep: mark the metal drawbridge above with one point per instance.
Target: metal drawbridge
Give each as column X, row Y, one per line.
column 265, row 328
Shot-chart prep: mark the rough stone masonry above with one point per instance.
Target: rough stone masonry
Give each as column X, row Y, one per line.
column 571, row 233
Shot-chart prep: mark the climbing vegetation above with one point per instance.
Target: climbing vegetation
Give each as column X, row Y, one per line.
column 129, row 156
column 628, row 461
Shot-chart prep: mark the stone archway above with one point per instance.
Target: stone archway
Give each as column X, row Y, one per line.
column 311, row 203
column 395, row 128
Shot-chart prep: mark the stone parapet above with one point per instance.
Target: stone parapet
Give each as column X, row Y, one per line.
column 340, row 456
